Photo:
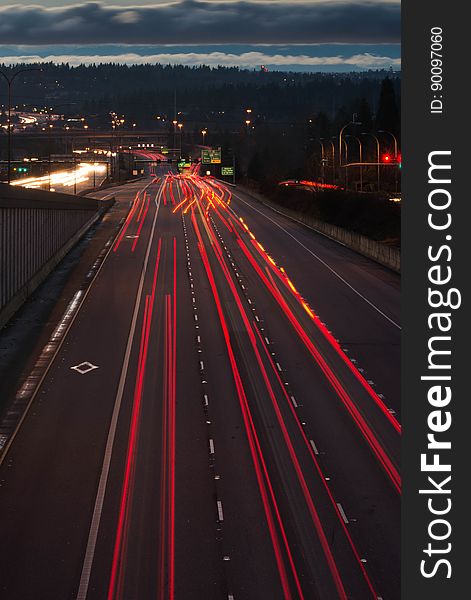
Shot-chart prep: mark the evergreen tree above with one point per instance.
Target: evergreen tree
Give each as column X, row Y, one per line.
column 387, row 117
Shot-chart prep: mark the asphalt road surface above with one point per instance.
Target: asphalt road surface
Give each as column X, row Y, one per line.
column 202, row 432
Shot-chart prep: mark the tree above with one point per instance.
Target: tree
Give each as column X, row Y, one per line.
column 387, row 117
column 365, row 115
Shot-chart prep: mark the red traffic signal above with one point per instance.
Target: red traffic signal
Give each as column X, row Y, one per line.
column 387, row 158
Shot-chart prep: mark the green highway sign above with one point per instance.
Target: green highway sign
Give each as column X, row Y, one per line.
column 211, row 157
column 225, row 171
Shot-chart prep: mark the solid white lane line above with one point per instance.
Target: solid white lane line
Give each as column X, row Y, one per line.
column 376, row 308
column 100, row 497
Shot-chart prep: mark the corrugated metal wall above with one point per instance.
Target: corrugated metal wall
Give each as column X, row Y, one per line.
column 29, row 237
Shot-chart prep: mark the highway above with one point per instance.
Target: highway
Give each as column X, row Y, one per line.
column 84, row 177
column 202, row 431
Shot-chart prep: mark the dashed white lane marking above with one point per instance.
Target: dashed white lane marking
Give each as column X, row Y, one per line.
column 342, row 513
column 323, row 263
column 206, row 400
column 314, row 447
column 293, row 400
column 278, row 366
column 201, row 365
column 220, row 512
column 211, row 446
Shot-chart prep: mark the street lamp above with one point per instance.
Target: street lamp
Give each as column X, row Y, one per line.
column 395, row 153
column 352, row 122
column 394, row 138
column 10, row 81
column 175, row 123
column 203, row 133
column 346, row 163
column 180, row 127
column 354, row 137
column 323, row 160
column 377, row 155
column 333, row 157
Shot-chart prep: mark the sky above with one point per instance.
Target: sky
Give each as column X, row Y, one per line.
column 302, row 35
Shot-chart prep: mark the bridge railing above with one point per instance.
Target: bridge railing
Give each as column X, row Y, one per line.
column 37, row 229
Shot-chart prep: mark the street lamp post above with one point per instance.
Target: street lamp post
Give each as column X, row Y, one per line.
column 180, row 127
column 360, row 155
column 333, row 158
column 377, row 157
column 352, row 122
column 346, row 164
column 395, row 153
column 10, row 81
column 175, row 123
column 203, row 133
column 393, row 137
column 322, row 160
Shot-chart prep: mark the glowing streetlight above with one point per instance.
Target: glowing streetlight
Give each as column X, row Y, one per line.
column 180, row 127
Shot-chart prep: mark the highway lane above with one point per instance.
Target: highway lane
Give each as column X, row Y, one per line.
column 356, row 478
column 50, row 496
column 184, row 465
column 358, row 299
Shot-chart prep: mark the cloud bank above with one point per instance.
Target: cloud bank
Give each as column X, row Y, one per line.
column 200, row 22
column 246, row 59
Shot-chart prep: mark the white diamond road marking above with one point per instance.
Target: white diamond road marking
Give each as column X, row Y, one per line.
column 84, row 367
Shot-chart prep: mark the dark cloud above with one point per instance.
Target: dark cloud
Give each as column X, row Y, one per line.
column 194, row 22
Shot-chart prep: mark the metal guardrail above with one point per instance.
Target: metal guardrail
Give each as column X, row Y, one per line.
column 36, row 230
column 388, row 256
